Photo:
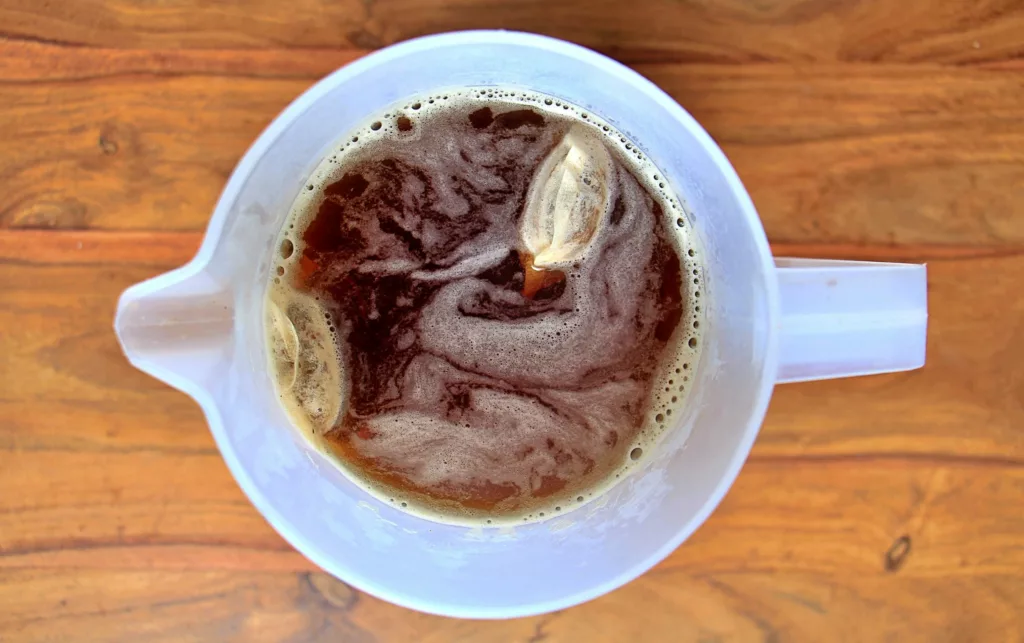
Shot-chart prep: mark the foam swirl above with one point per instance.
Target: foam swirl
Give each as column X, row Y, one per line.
column 500, row 290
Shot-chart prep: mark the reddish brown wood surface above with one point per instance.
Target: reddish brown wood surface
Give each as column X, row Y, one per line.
column 955, row 31
column 871, row 130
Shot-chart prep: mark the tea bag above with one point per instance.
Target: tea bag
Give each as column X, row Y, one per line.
column 568, row 200
column 285, row 345
column 306, row 362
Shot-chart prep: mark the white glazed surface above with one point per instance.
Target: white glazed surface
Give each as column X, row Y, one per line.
column 449, row 570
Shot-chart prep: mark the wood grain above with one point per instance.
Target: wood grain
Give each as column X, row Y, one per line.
column 879, row 508
column 797, row 550
column 957, row 31
column 95, row 510
column 747, row 606
column 854, row 154
column 968, row 401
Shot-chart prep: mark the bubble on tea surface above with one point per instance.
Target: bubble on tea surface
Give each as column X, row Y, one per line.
column 287, row 248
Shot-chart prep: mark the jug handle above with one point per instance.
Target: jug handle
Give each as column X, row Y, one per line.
column 178, row 328
column 845, row 318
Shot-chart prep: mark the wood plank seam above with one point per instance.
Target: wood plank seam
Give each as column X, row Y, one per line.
column 91, row 246
column 26, row 60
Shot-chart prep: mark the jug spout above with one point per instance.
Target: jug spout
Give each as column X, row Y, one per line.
column 177, row 327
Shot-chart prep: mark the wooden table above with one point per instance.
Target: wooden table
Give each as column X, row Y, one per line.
column 880, row 508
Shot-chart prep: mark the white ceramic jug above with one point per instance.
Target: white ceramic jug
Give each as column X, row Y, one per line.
column 199, row 328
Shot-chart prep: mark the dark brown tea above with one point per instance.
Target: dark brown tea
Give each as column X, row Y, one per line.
column 485, row 306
